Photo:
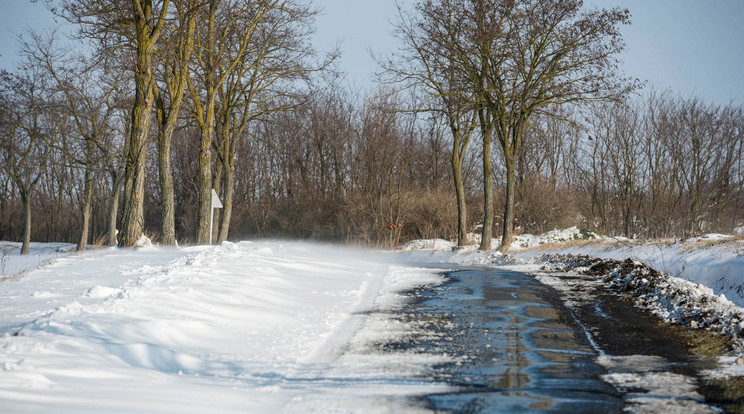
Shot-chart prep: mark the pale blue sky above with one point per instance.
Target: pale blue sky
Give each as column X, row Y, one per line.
column 690, row 46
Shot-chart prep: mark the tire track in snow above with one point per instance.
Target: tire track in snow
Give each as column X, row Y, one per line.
column 339, row 340
column 350, row 369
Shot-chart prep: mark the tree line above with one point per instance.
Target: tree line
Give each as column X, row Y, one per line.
column 171, row 99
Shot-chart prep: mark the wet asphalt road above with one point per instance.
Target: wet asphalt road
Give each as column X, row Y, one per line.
column 522, row 349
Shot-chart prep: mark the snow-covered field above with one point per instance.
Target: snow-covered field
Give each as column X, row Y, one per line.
column 13, row 264
column 242, row 327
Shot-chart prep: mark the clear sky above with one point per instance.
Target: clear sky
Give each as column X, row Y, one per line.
column 690, row 46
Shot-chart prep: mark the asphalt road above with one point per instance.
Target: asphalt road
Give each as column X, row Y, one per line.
column 564, row 346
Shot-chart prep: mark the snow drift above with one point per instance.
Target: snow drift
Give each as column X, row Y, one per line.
column 242, row 327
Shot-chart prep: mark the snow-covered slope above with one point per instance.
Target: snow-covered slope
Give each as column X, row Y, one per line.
column 714, row 261
column 244, row 327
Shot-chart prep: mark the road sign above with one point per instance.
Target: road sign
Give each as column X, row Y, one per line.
column 216, row 203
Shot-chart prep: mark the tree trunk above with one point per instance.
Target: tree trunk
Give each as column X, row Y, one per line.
column 114, row 209
column 508, row 231
column 167, row 199
column 86, row 206
column 26, row 199
column 133, row 220
column 487, row 231
column 462, row 215
column 227, row 201
column 147, row 29
column 167, row 120
column 627, row 213
column 627, row 223
column 220, row 172
column 226, row 169
column 205, row 175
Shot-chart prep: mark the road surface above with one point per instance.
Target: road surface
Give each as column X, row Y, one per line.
column 562, row 346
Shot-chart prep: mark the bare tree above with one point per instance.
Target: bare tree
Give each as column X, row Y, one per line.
column 617, row 128
column 87, row 97
column 384, row 152
column 220, row 47
column 293, row 154
column 131, row 28
column 266, row 80
column 173, row 55
column 701, row 141
column 547, row 173
column 27, row 123
column 522, row 58
column 426, row 61
column 662, row 188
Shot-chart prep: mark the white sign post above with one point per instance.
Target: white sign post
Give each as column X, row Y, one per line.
column 216, row 203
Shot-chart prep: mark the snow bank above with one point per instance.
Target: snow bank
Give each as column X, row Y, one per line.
column 526, row 241
column 428, row 244
column 143, row 242
column 713, row 261
column 242, row 327
column 672, row 299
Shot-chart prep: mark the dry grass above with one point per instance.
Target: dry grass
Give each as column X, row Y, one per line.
column 732, row 390
column 709, row 346
column 101, row 242
column 154, row 237
column 657, row 242
column 736, row 242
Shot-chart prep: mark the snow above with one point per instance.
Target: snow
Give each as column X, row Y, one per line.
column 12, row 263
column 241, row 327
column 713, row 261
column 728, row 366
column 428, row 244
column 526, row 241
column 652, row 388
column 143, row 242
column 522, row 241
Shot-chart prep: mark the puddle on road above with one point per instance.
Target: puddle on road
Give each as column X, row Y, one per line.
column 522, row 349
